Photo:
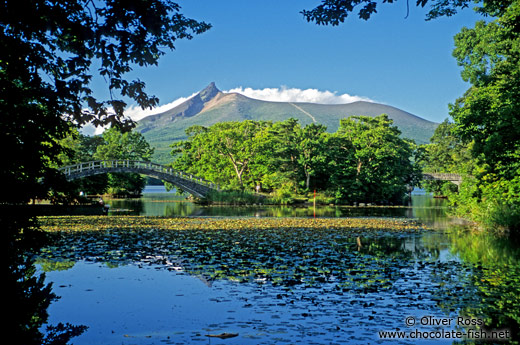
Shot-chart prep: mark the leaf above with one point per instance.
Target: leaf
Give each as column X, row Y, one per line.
column 223, row 335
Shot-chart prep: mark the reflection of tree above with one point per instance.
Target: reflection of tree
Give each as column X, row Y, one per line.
column 486, row 284
column 495, row 275
column 26, row 290
column 431, row 211
column 126, row 206
column 53, row 265
column 182, row 209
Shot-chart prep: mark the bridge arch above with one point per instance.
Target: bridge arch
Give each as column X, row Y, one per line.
column 194, row 185
column 453, row 178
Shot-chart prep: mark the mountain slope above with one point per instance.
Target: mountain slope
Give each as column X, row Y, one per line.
column 212, row 105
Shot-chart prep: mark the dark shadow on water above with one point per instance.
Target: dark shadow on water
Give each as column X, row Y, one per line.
column 29, row 296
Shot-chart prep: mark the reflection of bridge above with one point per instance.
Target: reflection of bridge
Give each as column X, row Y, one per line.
column 455, row 178
column 194, row 185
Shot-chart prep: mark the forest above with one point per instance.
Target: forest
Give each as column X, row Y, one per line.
column 365, row 161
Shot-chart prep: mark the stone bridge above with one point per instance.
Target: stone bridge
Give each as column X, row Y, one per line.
column 454, row 178
column 194, row 185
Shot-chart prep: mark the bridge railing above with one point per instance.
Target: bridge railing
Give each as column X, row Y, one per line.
column 137, row 165
column 442, row 176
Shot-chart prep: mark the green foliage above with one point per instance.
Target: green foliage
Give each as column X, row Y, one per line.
column 84, row 151
column 234, row 197
column 298, row 152
column 227, row 153
column 483, row 142
column 118, row 145
column 128, row 145
column 487, row 116
column 485, row 137
column 488, row 204
column 47, row 90
column 365, row 161
column 113, row 144
column 373, row 162
column 497, row 280
column 446, row 153
column 440, row 188
column 284, row 194
column 334, row 12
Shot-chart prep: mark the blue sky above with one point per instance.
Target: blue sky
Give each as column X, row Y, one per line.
column 406, row 63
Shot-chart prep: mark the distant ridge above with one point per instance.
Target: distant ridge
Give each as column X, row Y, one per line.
column 211, row 105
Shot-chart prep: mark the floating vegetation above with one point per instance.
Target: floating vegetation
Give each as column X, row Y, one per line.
column 350, row 269
column 350, row 253
column 91, row 223
column 222, row 335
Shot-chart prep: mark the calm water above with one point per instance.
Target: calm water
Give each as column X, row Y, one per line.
column 157, row 202
column 162, row 288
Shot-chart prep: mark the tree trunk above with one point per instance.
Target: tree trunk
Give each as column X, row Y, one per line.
column 307, row 178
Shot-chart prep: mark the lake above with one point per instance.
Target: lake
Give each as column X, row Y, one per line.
column 157, row 202
column 279, row 275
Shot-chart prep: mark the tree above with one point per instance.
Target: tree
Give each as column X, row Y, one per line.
column 282, row 162
column 130, row 146
column 47, row 51
column 123, row 145
column 310, row 148
column 488, row 116
column 78, row 148
column 224, row 153
column 298, row 152
column 237, row 143
column 446, row 153
column 31, row 294
column 379, row 161
column 334, row 12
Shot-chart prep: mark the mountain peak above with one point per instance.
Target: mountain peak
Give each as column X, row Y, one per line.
column 209, row 92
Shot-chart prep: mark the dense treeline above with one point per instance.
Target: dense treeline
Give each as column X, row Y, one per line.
column 366, row 160
column 483, row 142
column 490, row 199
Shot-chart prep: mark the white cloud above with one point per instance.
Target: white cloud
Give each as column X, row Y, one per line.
column 136, row 113
column 285, row 94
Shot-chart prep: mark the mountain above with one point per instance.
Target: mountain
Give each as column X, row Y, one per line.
column 212, row 105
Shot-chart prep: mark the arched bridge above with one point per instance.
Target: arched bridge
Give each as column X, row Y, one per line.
column 454, row 178
column 194, row 185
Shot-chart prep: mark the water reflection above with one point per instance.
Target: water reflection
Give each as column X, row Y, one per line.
column 28, row 292
column 496, row 281
column 424, row 207
column 278, row 286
